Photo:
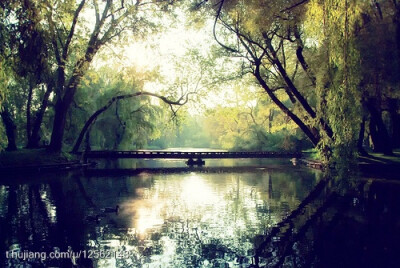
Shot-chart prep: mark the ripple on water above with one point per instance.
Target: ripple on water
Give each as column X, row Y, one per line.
column 185, row 219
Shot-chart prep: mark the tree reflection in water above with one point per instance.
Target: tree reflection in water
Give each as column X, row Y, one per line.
column 260, row 217
column 342, row 223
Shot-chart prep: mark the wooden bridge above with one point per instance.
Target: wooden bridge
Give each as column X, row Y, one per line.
column 187, row 155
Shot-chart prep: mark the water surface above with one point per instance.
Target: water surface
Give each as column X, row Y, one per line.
column 232, row 213
column 185, row 219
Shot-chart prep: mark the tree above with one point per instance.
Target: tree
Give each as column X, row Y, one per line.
column 267, row 37
column 93, row 117
column 10, row 129
column 338, row 80
column 5, row 77
column 27, row 50
column 379, row 74
column 76, row 40
column 308, row 50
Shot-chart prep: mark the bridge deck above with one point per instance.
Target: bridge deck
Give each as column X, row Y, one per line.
column 188, row 155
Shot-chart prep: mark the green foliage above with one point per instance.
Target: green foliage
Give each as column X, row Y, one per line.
column 338, row 92
column 317, row 60
column 3, row 138
column 348, row 48
column 189, row 133
column 127, row 124
column 3, row 82
column 357, row 62
column 26, row 157
column 245, row 122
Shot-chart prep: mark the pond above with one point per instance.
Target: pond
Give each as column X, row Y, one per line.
column 231, row 213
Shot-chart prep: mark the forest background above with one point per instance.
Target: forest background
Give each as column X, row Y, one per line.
column 237, row 75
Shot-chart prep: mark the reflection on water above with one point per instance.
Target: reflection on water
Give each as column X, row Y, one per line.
column 179, row 163
column 271, row 215
column 169, row 220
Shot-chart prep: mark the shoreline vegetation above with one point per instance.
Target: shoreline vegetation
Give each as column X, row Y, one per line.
column 31, row 160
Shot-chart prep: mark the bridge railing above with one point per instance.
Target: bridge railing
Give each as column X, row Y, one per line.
column 187, row 155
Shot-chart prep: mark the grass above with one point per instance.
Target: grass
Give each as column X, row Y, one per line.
column 373, row 158
column 26, row 157
column 381, row 158
column 312, row 154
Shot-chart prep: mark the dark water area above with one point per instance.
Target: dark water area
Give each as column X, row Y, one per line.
column 231, row 213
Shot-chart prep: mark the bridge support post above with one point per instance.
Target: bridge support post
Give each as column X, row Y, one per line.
column 197, row 162
column 84, row 158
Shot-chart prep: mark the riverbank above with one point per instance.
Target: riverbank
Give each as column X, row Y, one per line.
column 371, row 164
column 38, row 160
column 380, row 165
column 31, row 160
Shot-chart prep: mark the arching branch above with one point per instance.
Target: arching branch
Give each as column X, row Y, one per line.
column 215, row 26
column 181, row 101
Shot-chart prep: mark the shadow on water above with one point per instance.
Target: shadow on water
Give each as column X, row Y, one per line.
column 348, row 222
column 266, row 215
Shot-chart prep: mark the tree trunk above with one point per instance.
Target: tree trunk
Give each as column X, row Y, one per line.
column 64, row 100
column 300, row 56
column 270, row 119
column 395, row 119
column 28, row 112
column 360, row 141
column 396, row 130
column 34, row 138
column 379, row 133
column 60, row 118
column 11, row 129
column 293, row 89
column 88, row 148
column 313, row 138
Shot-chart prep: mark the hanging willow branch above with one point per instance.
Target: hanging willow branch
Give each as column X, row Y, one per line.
column 181, row 101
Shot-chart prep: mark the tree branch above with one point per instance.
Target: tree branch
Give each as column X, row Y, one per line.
column 294, row 6
column 94, row 116
column 214, row 27
column 72, row 30
column 314, row 139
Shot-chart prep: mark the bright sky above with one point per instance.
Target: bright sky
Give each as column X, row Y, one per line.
column 173, row 42
column 166, row 47
column 163, row 49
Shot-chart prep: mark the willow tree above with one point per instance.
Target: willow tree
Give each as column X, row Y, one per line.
column 332, row 25
column 360, row 44
column 126, row 104
column 305, row 51
column 268, row 37
column 78, row 30
column 26, row 48
column 6, row 76
column 378, row 44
